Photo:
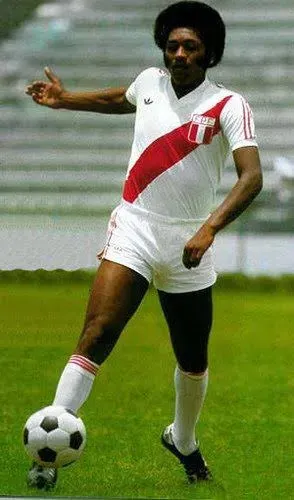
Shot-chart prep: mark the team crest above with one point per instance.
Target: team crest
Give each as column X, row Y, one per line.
column 201, row 129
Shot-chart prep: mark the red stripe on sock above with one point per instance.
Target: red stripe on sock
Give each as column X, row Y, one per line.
column 85, row 363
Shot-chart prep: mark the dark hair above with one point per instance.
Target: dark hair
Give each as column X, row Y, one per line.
column 201, row 18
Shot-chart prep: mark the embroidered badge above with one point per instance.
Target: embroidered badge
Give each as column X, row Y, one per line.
column 201, row 129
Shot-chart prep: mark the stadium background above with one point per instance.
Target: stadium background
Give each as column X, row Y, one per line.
column 61, row 172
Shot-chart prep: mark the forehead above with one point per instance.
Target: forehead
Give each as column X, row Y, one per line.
column 181, row 34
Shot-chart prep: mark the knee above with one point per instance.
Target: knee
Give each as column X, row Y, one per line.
column 194, row 367
column 193, row 361
column 100, row 326
column 196, row 374
column 98, row 336
column 96, row 324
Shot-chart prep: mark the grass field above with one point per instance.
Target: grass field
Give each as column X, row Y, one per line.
column 245, row 427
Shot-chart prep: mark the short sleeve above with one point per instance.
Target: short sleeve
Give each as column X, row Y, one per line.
column 145, row 78
column 131, row 93
column 237, row 123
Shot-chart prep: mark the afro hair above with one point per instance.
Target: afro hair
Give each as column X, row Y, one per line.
column 201, row 18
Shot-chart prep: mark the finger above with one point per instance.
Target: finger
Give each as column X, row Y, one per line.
column 37, row 98
column 50, row 75
column 39, row 84
column 192, row 257
column 186, row 258
column 195, row 263
column 35, row 87
column 195, row 258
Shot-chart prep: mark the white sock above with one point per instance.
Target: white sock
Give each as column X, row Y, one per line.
column 75, row 383
column 190, row 395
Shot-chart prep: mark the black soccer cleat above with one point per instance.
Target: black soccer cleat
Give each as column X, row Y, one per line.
column 194, row 464
column 41, row 478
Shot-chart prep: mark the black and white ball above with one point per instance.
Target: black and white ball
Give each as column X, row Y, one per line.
column 54, row 436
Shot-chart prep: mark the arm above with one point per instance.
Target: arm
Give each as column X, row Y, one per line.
column 53, row 95
column 247, row 187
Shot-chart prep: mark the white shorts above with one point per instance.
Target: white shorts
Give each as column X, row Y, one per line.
column 152, row 245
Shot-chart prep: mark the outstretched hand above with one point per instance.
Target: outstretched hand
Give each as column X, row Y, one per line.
column 46, row 93
column 196, row 247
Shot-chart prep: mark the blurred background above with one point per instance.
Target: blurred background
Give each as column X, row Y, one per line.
column 62, row 171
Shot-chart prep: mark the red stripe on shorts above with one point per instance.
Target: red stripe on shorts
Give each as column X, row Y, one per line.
column 165, row 152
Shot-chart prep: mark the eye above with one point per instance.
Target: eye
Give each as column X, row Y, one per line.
column 188, row 45
column 172, row 46
column 191, row 46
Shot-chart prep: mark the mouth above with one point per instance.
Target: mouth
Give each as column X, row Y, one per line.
column 179, row 67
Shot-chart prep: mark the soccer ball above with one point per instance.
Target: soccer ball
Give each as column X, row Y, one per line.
column 54, row 436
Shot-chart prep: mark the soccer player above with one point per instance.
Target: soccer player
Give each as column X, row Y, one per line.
column 164, row 227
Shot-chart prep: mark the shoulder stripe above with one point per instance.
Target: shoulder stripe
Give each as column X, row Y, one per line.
column 247, row 120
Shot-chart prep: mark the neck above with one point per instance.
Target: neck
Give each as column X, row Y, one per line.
column 182, row 90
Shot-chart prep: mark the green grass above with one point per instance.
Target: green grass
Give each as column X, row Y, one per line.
column 245, row 429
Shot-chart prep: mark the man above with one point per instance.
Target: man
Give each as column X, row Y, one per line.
column 166, row 223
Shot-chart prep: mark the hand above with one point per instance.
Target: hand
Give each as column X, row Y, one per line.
column 47, row 93
column 197, row 246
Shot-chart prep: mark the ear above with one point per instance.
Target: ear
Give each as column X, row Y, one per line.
column 211, row 58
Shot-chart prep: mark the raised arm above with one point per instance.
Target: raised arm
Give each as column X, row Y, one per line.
column 247, row 187
column 52, row 94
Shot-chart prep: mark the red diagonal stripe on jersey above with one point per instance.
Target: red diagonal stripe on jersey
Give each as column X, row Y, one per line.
column 165, row 152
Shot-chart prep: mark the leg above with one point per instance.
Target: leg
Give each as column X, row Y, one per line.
column 116, row 294
column 189, row 317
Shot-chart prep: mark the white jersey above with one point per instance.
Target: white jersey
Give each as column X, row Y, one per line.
column 180, row 145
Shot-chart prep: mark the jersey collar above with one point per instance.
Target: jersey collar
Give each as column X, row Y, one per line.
column 194, row 94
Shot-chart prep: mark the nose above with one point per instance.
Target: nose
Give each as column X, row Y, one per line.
column 180, row 53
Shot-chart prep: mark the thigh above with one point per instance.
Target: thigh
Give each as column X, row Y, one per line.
column 189, row 318
column 116, row 292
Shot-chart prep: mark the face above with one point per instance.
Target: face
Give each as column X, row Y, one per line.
column 183, row 57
